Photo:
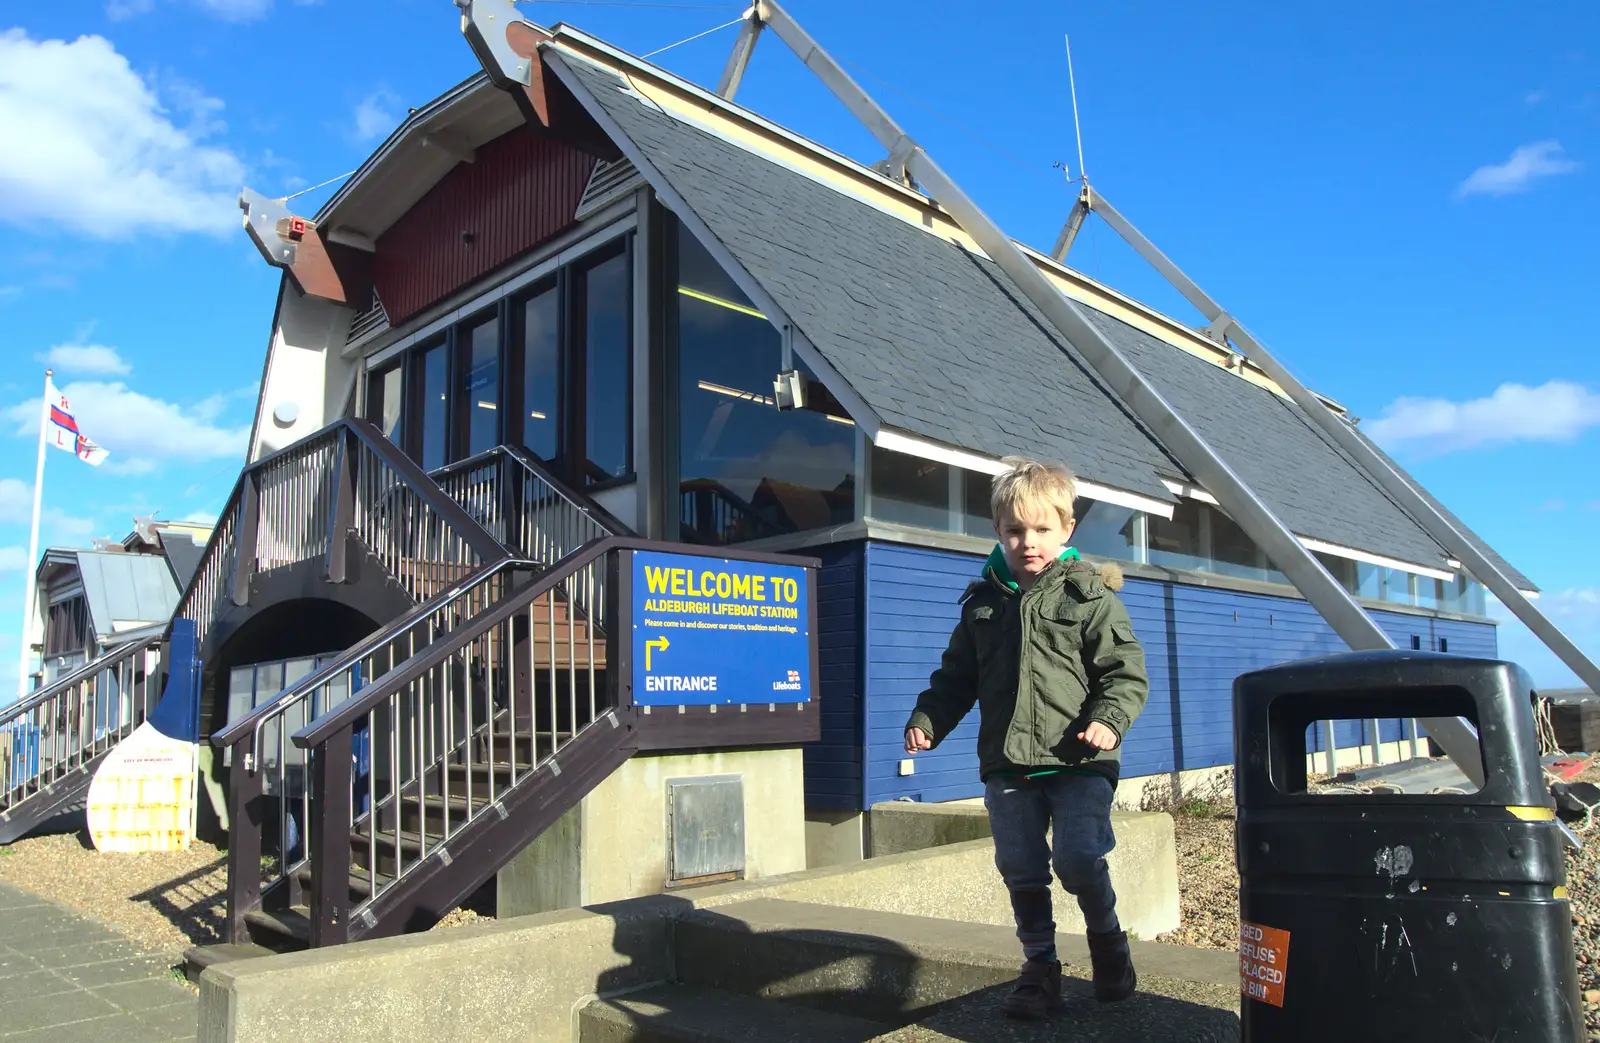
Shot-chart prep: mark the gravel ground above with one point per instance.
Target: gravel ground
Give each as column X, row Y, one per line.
column 165, row 901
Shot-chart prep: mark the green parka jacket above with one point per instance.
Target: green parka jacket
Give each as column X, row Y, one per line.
column 1040, row 665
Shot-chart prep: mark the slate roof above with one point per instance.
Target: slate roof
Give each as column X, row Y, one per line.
column 939, row 342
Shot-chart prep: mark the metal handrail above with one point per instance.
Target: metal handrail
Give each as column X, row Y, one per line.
column 368, row 436
column 318, row 731
column 105, row 659
column 303, row 688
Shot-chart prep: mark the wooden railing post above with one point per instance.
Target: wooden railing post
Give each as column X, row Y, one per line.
column 342, row 517
column 244, row 543
column 329, row 832
column 245, row 809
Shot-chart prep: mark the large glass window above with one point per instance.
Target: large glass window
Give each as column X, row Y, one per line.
column 385, row 402
column 480, row 384
column 435, row 407
column 1106, row 530
column 1176, row 542
column 747, row 470
column 541, row 373
column 909, row 490
column 605, row 291
column 977, row 518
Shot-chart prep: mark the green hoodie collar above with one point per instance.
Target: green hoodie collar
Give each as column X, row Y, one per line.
column 997, row 567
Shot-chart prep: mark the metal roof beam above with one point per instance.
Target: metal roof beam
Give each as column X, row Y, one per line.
column 739, row 60
column 1391, row 480
column 1335, row 604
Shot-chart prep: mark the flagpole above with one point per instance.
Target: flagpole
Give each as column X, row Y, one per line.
column 32, row 564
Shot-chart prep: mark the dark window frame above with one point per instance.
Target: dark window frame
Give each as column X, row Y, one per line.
column 575, row 372
column 459, row 417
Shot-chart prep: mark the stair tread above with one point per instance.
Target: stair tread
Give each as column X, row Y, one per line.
column 691, row 1014
column 359, row 884
column 293, row 923
column 197, row 958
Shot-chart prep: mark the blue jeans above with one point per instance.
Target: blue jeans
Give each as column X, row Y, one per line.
column 1076, row 811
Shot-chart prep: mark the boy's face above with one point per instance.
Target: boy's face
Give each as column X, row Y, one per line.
column 1031, row 539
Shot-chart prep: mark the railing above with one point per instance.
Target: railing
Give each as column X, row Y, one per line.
column 451, row 731
column 62, row 728
column 299, row 504
column 512, row 495
column 516, row 499
column 710, row 514
column 262, row 760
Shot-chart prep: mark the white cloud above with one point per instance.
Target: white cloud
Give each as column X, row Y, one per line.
column 91, row 146
column 58, row 528
column 13, row 559
column 134, row 426
column 1535, row 97
column 200, row 517
column 237, row 10
column 94, row 359
column 227, row 10
column 122, row 10
column 375, row 116
column 1527, row 164
column 1575, row 612
column 1557, row 411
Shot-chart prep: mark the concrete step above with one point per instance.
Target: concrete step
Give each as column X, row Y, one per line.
column 281, row 930
column 686, row 1014
column 888, row 966
column 1164, row 1010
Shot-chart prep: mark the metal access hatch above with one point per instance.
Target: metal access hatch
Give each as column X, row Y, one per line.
column 705, row 830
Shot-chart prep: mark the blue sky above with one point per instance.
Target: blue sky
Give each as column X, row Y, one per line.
column 1403, row 204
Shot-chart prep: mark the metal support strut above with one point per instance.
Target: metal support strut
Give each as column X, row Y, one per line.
column 1398, row 485
column 1335, row 604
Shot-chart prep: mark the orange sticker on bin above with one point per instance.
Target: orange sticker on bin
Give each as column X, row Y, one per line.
column 1263, row 962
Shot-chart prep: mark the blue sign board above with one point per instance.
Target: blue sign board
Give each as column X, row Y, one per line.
column 708, row 630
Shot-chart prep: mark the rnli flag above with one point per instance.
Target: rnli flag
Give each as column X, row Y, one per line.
column 61, row 429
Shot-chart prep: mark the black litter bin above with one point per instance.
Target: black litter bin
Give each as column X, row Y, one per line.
column 1399, row 916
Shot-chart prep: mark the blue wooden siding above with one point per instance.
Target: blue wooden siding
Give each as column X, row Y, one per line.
column 833, row 765
column 1196, row 640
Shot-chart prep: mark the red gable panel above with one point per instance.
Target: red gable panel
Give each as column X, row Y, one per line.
column 522, row 190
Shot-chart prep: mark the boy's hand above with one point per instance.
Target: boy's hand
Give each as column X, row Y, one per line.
column 917, row 739
column 1100, row 736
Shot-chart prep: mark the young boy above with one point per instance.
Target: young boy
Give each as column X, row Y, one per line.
column 1047, row 652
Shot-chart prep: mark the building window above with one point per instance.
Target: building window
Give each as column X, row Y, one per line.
column 908, row 490
column 550, row 368
column 603, row 295
column 435, row 407
column 1176, row 542
column 977, row 517
column 67, row 627
column 748, row 470
column 479, row 395
column 1106, row 530
column 385, row 397
column 541, row 372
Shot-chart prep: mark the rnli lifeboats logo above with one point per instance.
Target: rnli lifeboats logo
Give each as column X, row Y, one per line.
column 791, row 685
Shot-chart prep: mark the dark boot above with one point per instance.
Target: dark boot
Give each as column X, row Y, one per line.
column 1114, row 978
column 1037, row 992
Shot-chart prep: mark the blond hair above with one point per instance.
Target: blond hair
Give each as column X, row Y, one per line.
column 1027, row 485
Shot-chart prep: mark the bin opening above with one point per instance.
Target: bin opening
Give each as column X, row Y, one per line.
column 1374, row 732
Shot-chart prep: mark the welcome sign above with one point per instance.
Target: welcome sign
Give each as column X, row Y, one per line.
column 709, row 630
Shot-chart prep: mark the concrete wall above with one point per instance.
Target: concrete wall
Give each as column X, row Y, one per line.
column 305, row 371
column 510, row 980
column 923, row 864
column 614, row 845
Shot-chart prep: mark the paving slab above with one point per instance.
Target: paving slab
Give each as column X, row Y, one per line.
column 65, row 978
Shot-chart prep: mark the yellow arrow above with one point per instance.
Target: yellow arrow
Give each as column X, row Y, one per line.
column 660, row 643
